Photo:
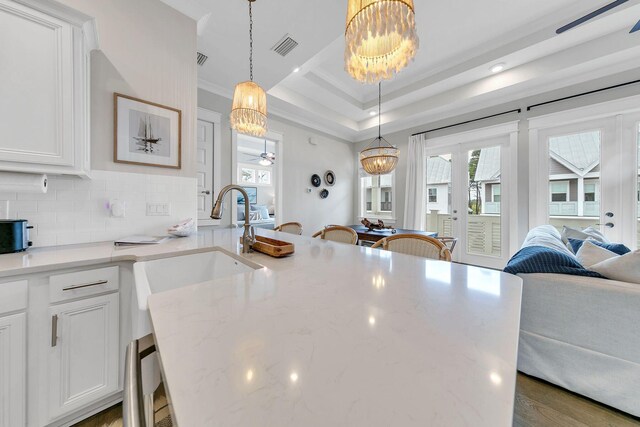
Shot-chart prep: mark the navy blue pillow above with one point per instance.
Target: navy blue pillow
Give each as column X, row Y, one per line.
column 616, row 248
column 539, row 259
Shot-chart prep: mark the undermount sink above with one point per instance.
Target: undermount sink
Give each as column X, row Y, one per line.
column 164, row 274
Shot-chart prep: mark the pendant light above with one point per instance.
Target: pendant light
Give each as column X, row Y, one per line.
column 381, row 38
column 380, row 157
column 249, row 108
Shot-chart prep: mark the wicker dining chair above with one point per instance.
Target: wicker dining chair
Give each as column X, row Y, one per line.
column 338, row 233
column 449, row 242
column 290, row 227
column 415, row 244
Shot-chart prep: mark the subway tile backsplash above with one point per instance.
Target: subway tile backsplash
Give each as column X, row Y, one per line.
column 76, row 210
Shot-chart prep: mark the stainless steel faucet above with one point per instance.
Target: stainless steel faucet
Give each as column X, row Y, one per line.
column 249, row 235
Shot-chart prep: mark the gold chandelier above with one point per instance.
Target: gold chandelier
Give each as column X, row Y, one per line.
column 249, row 108
column 380, row 157
column 380, row 37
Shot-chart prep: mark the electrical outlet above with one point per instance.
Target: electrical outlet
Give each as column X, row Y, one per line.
column 158, row 209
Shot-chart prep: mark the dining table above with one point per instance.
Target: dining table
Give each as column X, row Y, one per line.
column 372, row 236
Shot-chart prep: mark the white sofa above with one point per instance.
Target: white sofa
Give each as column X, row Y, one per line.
column 581, row 333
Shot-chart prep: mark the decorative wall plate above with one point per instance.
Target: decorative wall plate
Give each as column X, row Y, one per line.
column 315, row 180
column 324, row 193
column 329, row 178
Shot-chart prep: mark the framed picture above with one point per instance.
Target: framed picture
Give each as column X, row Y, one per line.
column 248, row 176
column 252, row 192
column 264, row 177
column 146, row 133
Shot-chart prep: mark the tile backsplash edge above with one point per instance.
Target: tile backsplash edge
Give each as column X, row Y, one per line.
column 76, row 210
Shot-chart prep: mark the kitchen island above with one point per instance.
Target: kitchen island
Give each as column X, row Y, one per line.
column 339, row 335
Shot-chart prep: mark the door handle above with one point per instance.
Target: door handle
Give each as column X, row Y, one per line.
column 608, row 224
column 455, row 218
column 609, row 214
column 54, row 330
column 207, row 192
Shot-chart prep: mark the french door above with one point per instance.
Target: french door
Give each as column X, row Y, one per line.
column 587, row 176
column 469, row 191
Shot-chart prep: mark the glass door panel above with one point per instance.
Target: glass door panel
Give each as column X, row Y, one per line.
column 574, row 179
column 439, row 202
column 484, row 206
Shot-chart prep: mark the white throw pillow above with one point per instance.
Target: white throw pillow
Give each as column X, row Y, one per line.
column 590, row 254
column 625, row 268
column 589, row 232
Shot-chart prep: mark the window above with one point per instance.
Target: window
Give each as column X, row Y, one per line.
column 377, row 195
column 495, row 193
column 433, row 195
column 559, row 191
column 590, row 192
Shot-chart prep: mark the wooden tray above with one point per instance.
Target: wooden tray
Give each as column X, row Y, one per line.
column 272, row 247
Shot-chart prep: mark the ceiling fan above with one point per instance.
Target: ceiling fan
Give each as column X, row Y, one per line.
column 594, row 14
column 266, row 158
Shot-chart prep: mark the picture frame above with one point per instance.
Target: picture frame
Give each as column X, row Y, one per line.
column 263, row 177
column 252, row 192
column 146, row 133
column 247, row 175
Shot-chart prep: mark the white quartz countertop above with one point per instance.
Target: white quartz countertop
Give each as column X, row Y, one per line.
column 339, row 335
column 69, row 256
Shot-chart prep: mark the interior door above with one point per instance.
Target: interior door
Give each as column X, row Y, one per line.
column 204, row 170
column 467, row 198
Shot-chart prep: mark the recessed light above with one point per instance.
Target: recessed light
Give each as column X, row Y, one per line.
column 295, row 70
column 497, row 68
column 373, row 113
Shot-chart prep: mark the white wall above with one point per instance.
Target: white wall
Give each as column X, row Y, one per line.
column 77, row 211
column 147, row 50
column 401, row 139
column 301, row 160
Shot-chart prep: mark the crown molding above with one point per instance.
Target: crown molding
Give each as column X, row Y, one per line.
column 215, row 88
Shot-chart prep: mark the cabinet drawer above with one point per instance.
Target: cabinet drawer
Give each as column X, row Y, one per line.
column 13, row 296
column 63, row 287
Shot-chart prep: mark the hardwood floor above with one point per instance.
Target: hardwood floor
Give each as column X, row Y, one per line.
column 541, row 404
column 112, row 417
column 538, row 404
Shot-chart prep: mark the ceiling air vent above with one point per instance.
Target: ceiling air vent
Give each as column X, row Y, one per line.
column 202, row 58
column 285, row 45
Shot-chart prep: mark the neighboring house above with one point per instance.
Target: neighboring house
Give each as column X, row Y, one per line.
column 438, row 184
column 574, row 176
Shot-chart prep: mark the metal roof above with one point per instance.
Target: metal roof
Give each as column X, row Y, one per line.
column 438, row 170
column 580, row 151
column 488, row 165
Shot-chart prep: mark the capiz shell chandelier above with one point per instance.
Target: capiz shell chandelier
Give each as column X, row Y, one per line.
column 249, row 108
column 380, row 38
column 380, row 157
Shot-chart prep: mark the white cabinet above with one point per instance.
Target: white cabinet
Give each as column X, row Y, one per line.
column 44, row 88
column 12, row 370
column 13, row 339
column 84, row 352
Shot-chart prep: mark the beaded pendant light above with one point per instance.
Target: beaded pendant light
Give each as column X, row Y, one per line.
column 380, row 38
column 249, row 108
column 380, row 157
